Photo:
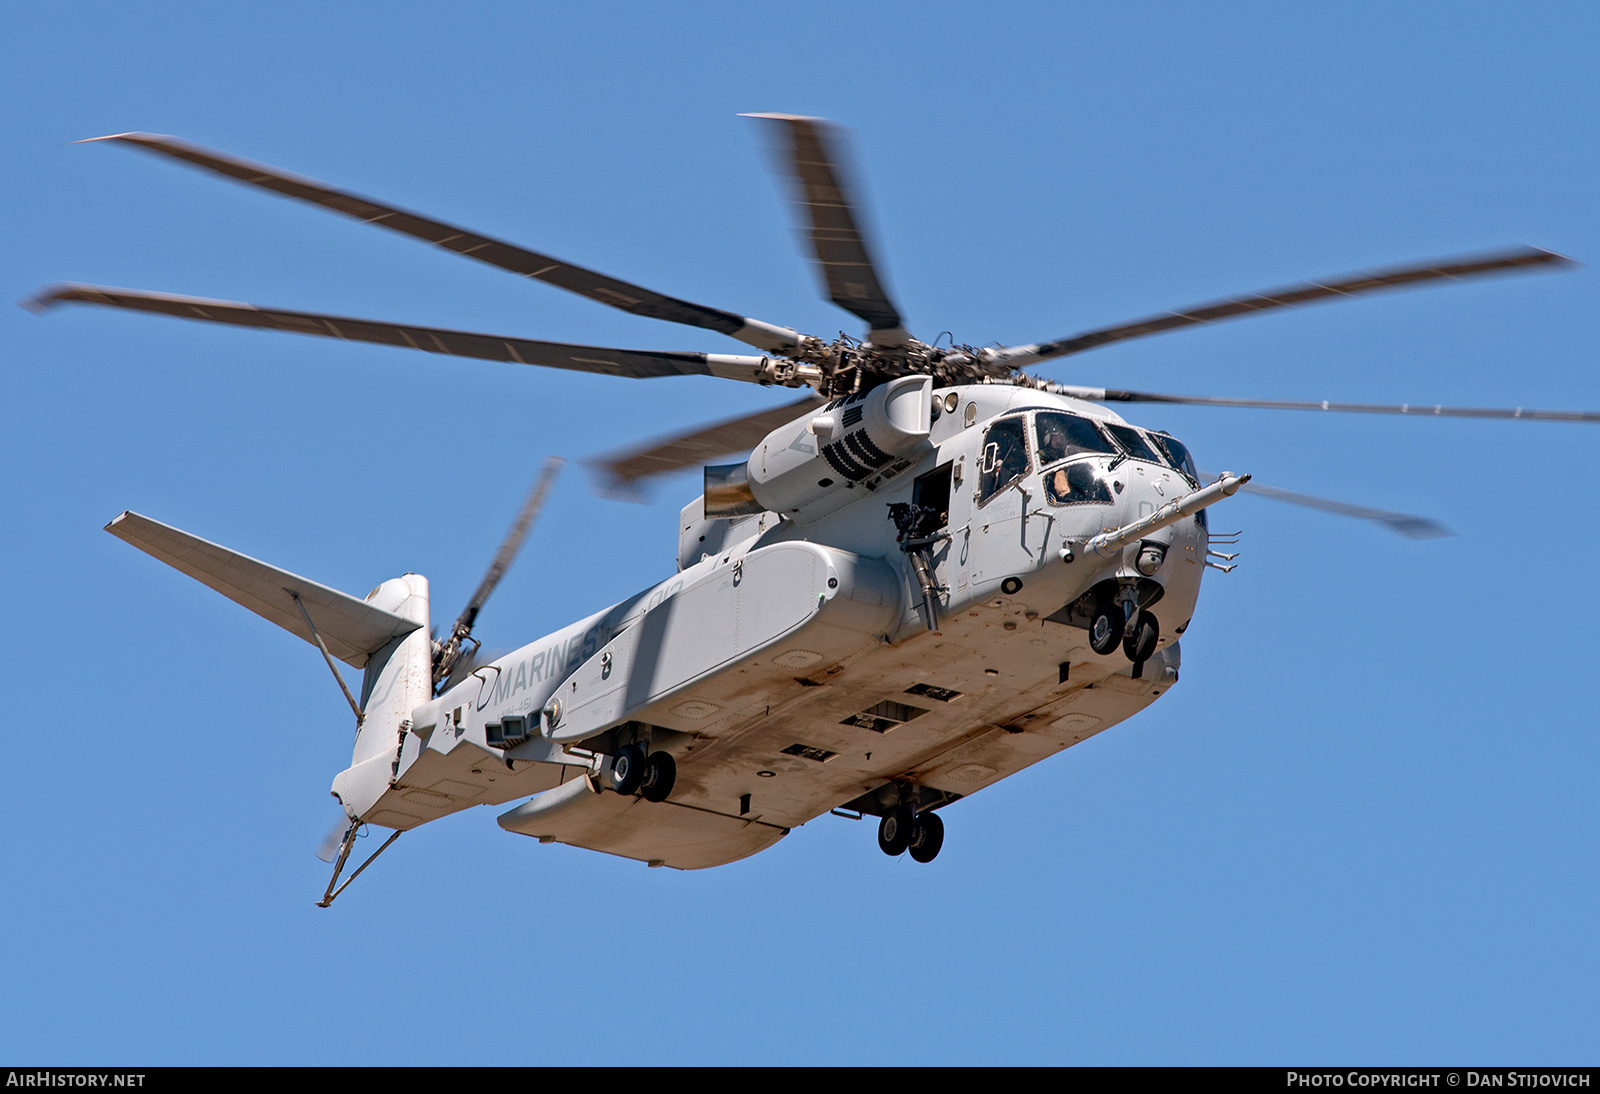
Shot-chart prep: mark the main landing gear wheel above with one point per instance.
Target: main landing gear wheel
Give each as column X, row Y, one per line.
column 660, row 772
column 627, row 769
column 927, row 836
column 894, row 830
column 1142, row 642
column 1105, row 629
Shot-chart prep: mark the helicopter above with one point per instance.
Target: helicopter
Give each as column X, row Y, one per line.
column 931, row 572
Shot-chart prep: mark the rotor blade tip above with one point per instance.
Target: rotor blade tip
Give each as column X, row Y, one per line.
column 111, row 137
column 1418, row 528
column 1543, row 256
column 606, row 482
column 626, row 492
column 41, row 301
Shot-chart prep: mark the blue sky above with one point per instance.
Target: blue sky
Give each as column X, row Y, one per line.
column 1362, row 829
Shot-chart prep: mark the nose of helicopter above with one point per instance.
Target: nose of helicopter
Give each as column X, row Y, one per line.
column 1151, row 535
column 1141, row 490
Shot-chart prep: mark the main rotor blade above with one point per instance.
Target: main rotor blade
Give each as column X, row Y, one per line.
column 1110, row 395
column 1518, row 259
column 638, row 364
column 1405, row 524
column 507, row 554
column 822, row 190
column 507, row 256
column 624, row 469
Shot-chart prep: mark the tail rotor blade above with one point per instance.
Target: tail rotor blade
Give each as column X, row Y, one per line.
column 509, row 547
column 328, row 847
column 447, row 655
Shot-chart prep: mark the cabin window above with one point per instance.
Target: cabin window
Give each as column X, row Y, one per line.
column 1062, row 435
column 1076, row 483
column 1004, row 457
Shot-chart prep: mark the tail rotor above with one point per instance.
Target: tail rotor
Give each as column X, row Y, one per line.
column 448, row 654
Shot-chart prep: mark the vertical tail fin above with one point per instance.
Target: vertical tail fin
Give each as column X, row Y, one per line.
column 399, row 678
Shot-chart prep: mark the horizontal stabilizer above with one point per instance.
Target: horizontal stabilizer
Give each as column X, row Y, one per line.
column 352, row 628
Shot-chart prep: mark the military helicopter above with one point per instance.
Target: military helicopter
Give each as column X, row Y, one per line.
column 930, row 573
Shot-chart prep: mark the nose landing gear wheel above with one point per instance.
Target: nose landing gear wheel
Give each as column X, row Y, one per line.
column 927, row 836
column 894, row 831
column 1142, row 642
column 1105, row 629
column 660, row 772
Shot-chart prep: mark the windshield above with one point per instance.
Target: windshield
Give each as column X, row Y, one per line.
column 1062, row 435
column 1179, row 456
column 1133, row 443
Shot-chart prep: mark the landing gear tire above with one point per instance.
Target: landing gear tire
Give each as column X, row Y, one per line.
column 627, row 769
column 927, row 836
column 894, row 830
column 1105, row 629
column 1142, row 642
column 660, row 772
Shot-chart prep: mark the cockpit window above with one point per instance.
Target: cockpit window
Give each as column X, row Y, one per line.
column 1133, row 444
column 1004, row 458
column 1181, row 459
column 1076, row 483
column 1063, row 435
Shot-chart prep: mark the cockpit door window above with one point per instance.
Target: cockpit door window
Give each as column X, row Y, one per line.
column 1004, row 457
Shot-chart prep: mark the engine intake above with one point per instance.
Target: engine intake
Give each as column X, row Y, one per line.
column 810, row 467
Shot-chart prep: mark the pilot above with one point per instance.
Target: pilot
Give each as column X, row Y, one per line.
column 1057, row 488
column 1052, row 441
column 1012, row 460
column 1074, row 483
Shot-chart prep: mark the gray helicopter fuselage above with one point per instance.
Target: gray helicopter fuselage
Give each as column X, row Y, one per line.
column 790, row 668
column 901, row 597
